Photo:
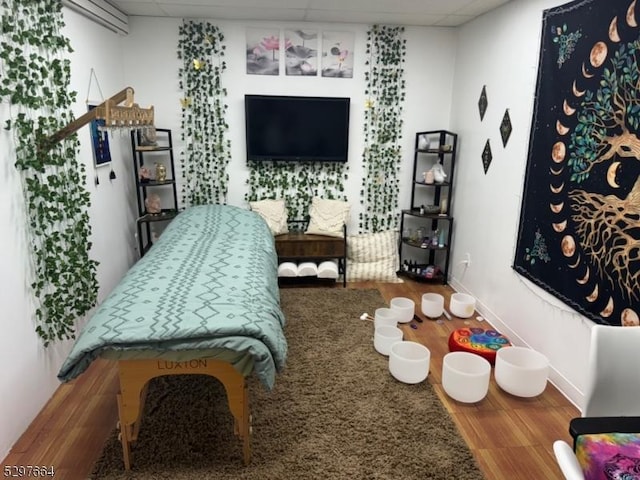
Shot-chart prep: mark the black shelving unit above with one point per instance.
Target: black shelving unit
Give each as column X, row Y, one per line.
column 430, row 211
column 150, row 156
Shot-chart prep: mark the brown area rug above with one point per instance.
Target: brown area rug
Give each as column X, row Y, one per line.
column 335, row 412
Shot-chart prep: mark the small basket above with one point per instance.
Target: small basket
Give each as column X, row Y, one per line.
column 431, row 209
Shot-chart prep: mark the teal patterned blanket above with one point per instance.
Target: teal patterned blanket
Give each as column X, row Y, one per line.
column 209, row 283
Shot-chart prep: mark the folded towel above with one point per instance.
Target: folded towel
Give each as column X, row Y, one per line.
column 328, row 269
column 307, row 269
column 287, row 269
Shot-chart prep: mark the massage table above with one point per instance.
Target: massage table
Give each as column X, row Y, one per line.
column 203, row 300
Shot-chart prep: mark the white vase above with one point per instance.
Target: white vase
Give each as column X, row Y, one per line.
column 438, row 173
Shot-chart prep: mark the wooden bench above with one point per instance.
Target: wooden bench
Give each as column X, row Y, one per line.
column 297, row 246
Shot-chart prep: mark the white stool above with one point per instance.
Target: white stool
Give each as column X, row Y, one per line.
column 409, row 361
column 385, row 316
column 432, row 305
column 465, row 376
column 521, row 371
column 405, row 308
column 384, row 337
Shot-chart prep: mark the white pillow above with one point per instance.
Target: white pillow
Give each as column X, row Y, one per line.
column 274, row 213
column 287, row 269
column 307, row 269
column 327, row 217
column 328, row 269
column 373, row 256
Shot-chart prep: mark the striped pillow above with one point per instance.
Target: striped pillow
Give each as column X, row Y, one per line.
column 373, row 256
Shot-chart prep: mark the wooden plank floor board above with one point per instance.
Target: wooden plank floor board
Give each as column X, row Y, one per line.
column 511, row 437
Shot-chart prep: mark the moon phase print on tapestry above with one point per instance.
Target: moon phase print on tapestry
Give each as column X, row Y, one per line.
column 579, row 236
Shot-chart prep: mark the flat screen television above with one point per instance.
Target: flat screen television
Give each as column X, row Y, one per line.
column 304, row 129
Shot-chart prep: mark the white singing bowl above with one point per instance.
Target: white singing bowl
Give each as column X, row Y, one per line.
column 521, row 371
column 409, row 361
column 462, row 305
column 465, row 376
column 405, row 308
column 384, row 337
column 385, row 316
column 432, row 305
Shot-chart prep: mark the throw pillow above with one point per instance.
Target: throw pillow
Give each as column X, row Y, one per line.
column 373, row 256
column 274, row 212
column 327, row 217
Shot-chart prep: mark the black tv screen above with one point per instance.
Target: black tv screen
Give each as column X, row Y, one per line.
column 313, row 129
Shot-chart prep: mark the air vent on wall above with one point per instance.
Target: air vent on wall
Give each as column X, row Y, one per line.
column 102, row 12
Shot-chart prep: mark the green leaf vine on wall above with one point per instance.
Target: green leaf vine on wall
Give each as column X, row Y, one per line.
column 385, row 93
column 206, row 152
column 35, row 82
column 297, row 183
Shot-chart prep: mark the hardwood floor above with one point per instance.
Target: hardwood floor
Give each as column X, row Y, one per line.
column 511, row 437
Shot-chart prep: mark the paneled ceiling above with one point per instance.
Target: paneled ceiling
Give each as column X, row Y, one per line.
column 449, row 13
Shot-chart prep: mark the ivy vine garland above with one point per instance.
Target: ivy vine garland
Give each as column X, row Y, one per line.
column 35, row 82
column 385, row 92
column 206, row 152
column 297, row 183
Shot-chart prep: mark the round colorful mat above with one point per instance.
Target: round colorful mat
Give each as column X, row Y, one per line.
column 479, row 341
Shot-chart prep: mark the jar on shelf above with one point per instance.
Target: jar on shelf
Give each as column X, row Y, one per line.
column 161, row 172
column 428, row 177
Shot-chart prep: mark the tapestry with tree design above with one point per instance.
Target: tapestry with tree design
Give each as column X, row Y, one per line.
column 579, row 236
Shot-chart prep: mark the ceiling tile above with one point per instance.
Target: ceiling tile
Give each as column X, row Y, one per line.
column 238, row 3
column 235, row 13
column 398, row 12
column 407, row 7
column 334, row 16
column 149, row 9
column 478, row 7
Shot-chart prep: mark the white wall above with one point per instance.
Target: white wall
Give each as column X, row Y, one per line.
column 500, row 50
column 29, row 372
column 146, row 60
column 429, row 75
column 445, row 72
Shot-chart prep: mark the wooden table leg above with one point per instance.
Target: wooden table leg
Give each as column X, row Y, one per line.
column 124, row 436
column 135, row 375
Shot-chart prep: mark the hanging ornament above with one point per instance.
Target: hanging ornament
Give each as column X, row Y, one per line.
column 197, row 64
column 185, row 102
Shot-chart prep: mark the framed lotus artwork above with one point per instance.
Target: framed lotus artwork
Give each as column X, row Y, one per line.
column 301, row 52
column 337, row 54
column 263, row 51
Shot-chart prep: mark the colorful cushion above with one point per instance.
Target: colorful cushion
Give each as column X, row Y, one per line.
column 479, row 341
column 609, row 456
column 274, row 212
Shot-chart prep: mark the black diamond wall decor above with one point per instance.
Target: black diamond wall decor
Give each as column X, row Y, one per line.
column 486, row 156
column 505, row 128
column 483, row 103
